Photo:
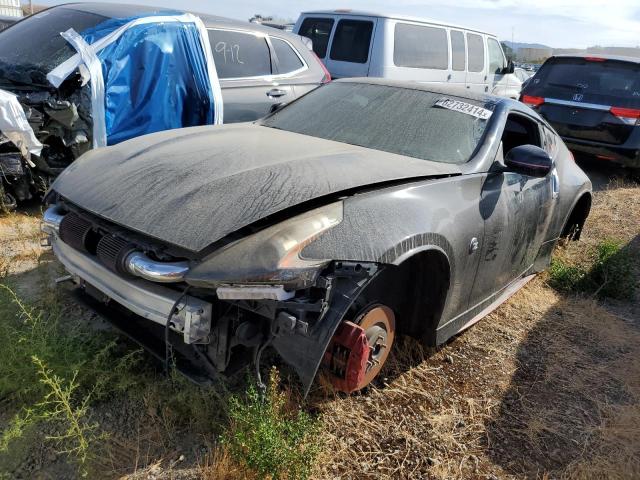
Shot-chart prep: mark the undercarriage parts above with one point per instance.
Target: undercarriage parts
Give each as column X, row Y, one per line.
column 343, row 282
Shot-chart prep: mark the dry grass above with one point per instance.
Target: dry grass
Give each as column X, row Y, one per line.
column 220, row 465
column 548, row 386
column 19, row 239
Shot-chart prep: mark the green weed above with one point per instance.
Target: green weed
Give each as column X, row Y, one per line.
column 271, row 438
column 50, row 370
column 607, row 272
column 55, row 369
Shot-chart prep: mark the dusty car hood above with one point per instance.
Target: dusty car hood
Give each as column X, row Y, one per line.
column 191, row 187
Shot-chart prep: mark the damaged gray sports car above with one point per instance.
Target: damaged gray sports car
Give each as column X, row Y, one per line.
column 363, row 210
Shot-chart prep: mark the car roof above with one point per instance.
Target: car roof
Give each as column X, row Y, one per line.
column 120, row 10
column 409, row 18
column 620, row 58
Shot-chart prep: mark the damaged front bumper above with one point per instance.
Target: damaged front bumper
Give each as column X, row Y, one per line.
column 191, row 316
column 227, row 326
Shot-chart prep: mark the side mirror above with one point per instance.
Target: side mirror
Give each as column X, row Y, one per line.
column 529, row 160
column 510, row 68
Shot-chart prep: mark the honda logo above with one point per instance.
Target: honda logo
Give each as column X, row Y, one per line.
column 578, row 97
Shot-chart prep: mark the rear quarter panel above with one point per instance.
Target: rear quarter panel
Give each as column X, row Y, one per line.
column 574, row 183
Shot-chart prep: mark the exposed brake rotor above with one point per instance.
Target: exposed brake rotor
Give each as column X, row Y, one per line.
column 359, row 349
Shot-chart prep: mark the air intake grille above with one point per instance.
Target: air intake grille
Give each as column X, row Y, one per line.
column 78, row 233
column 112, row 252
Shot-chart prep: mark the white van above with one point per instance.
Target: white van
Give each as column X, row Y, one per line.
column 358, row 44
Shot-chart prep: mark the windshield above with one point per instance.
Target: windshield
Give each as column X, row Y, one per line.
column 607, row 82
column 33, row 47
column 392, row 119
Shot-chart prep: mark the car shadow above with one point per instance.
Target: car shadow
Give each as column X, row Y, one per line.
column 573, row 390
column 603, row 174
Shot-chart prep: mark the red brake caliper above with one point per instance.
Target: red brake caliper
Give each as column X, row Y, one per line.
column 346, row 357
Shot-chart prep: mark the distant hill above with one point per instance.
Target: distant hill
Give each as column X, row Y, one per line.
column 624, row 51
column 518, row 45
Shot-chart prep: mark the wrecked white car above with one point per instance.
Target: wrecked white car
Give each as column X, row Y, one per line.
column 364, row 209
column 80, row 76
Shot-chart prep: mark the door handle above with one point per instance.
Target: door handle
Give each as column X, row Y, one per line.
column 276, row 92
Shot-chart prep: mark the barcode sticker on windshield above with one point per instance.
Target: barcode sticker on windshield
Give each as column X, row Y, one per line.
column 462, row 107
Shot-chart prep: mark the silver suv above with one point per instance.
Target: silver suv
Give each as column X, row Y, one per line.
column 260, row 67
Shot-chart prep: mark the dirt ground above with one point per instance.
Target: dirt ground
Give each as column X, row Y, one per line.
column 547, row 386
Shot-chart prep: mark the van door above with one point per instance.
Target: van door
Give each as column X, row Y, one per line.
column 505, row 85
column 318, row 30
column 458, row 75
column 350, row 46
column 476, row 63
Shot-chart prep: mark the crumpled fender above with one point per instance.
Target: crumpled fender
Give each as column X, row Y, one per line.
column 305, row 352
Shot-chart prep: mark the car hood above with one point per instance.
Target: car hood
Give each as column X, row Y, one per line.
column 192, row 187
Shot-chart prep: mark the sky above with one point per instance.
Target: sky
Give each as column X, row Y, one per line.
column 556, row 23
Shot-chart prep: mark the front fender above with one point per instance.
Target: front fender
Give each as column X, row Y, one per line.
column 388, row 225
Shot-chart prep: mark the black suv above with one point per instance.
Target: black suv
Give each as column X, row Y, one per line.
column 593, row 102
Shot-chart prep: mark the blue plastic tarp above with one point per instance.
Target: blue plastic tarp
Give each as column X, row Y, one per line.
column 150, row 73
column 155, row 78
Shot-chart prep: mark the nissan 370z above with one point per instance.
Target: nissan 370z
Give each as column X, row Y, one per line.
column 363, row 210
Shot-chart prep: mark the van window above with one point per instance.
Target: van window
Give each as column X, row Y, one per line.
column 476, row 52
column 288, row 59
column 420, row 47
column 318, row 30
column 496, row 58
column 351, row 41
column 239, row 54
column 458, row 51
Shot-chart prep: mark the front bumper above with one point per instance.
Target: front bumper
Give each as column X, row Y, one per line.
column 154, row 302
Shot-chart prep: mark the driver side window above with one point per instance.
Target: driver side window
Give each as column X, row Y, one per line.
column 496, row 58
column 519, row 130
